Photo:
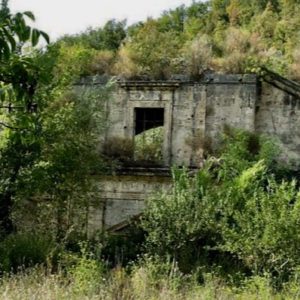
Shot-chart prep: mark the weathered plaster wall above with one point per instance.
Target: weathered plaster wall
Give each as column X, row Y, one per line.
column 278, row 115
column 122, row 197
column 188, row 124
column 194, row 113
column 230, row 100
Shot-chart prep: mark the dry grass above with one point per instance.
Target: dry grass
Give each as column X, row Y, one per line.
column 197, row 55
column 101, row 63
column 236, row 48
column 118, row 148
column 139, row 284
column 125, row 64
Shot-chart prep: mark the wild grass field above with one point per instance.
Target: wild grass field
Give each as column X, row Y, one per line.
column 139, row 284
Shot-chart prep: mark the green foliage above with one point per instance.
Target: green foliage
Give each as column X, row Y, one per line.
column 85, row 271
column 148, row 146
column 141, row 285
column 263, row 232
column 197, row 56
column 14, row 30
column 24, row 250
column 243, row 37
column 153, row 51
column 53, row 131
column 121, row 249
column 109, row 37
column 151, row 271
column 18, row 83
column 232, row 206
column 71, row 126
column 173, row 220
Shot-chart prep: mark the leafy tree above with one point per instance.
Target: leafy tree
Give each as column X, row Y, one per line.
column 173, row 20
column 153, row 51
column 218, row 12
column 18, row 83
column 264, row 23
column 197, row 56
column 196, row 19
column 57, row 179
column 108, row 37
column 48, row 133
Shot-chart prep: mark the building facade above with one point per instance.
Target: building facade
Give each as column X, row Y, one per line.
column 192, row 115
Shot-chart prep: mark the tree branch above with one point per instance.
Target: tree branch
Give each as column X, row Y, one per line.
column 9, row 127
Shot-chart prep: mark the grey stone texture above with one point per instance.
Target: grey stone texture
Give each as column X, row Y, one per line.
column 195, row 114
column 121, row 197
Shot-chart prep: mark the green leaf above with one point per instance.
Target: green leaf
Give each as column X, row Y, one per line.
column 4, row 50
column 29, row 14
column 45, row 36
column 35, row 34
column 26, row 33
column 10, row 38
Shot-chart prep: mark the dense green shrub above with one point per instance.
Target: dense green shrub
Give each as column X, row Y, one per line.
column 23, row 250
column 233, row 208
column 85, row 270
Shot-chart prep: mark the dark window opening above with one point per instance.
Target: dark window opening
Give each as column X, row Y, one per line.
column 148, row 118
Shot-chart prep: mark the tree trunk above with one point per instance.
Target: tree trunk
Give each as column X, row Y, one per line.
column 6, row 224
column 6, row 203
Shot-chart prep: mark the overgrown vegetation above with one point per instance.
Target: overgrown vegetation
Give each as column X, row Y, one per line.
column 47, row 132
column 227, row 36
column 233, row 209
column 146, row 149
column 229, row 230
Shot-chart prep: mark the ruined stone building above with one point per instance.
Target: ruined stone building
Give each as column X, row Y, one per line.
column 191, row 115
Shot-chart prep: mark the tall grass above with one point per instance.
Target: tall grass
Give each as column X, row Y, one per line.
column 140, row 283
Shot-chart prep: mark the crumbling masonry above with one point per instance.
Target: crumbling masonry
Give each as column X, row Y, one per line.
column 192, row 115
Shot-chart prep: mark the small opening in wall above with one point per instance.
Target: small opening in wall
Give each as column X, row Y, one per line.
column 149, row 134
column 147, row 118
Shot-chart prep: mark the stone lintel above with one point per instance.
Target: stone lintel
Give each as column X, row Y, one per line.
column 141, row 171
column 162, row 85
column 230, row 79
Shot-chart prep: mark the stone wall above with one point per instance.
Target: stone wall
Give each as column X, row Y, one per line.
column 230, row 100
column 278, row 115
column 193, row 111
column 195, row 114
column 122, row 197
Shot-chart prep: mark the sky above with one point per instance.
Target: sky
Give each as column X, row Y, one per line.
column 59, row 17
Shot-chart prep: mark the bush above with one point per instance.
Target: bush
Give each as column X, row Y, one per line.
column 232, row 208
column 149, row 52
column 118, row 148
column 85, row 271
column 155, row 272
column 260, row 222
column 148, row 146
column 122, row 249
column 125, row 65
column 101, row 63
column 175, row 222
column 24, row 250
column 197, row 56
column 236, row 49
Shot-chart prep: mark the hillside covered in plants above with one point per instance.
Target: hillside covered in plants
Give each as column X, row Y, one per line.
column 221, row 35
